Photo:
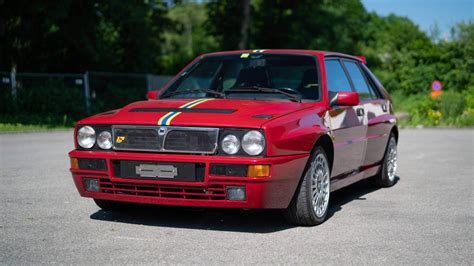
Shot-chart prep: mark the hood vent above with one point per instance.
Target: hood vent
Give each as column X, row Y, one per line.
column 264, row 116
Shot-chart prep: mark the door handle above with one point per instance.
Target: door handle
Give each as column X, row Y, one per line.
column 360, row 111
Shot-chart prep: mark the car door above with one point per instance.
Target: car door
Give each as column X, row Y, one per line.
column 347, row 123
column 375, row 108
column 380, row 120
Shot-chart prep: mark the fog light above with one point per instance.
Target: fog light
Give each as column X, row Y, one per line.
column 92, row 184
column 92, row 164
column 236, row 193
column 229, row 170
column 258, row 170
column 74, row 163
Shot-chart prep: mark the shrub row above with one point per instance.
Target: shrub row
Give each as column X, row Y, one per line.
column 454, row 109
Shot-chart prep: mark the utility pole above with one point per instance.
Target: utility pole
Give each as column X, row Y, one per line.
column 13, row 82
column 87, row 93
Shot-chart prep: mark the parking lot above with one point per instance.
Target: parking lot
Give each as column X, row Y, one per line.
column 426, row 218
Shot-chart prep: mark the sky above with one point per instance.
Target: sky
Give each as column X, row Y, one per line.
column 426, row 13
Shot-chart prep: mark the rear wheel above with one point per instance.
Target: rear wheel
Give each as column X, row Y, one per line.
column 109, row 205
column 310, row 204
column 387, row 174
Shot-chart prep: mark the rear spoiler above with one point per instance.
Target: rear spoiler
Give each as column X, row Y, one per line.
column 362, row 58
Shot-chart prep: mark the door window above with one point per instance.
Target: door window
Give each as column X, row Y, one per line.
column 336, row 77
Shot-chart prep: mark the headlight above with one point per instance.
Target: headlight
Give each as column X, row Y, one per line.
column 230, row 144
column 86, row 137
column 104, row 140
column 253, row 142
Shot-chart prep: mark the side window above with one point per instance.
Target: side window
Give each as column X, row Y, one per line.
column 358, row 80
column 373, row 82
column 336, row 77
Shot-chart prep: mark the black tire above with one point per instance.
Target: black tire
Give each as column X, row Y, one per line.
column 108, row 205
column 301, row 209
column 383, row 179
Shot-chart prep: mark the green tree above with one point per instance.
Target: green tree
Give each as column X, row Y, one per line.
column 186, row 38
column 458, row 59
column 225, row 21
column 47, row 35
column 74, row 36
column 279, row 24
column 400, row 54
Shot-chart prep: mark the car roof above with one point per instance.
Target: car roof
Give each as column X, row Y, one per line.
column 289, row 51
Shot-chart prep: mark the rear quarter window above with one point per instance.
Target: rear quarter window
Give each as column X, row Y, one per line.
column 374, row 83
column 359, row 80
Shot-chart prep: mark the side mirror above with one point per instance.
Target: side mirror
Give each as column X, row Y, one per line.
column 344, row 99
column 153, row 95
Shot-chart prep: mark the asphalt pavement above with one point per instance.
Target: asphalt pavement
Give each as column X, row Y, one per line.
column 426, row 218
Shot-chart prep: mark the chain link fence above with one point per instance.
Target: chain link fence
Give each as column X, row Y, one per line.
column 40, row 98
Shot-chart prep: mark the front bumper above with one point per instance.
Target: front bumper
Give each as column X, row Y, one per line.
column 275, row 191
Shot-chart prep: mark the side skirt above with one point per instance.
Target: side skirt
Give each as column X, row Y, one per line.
column 347, row 179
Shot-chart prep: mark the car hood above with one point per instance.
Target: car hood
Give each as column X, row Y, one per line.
column 199, row 112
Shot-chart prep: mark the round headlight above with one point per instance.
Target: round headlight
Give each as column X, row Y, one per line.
column 104, row 140
column 253, row 142
column 230, row 144
column 86, row 137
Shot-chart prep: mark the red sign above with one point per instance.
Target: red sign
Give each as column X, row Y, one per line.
column 436, row 85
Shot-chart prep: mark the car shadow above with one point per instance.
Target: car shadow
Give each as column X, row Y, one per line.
column 356, row 191
column 233, row 220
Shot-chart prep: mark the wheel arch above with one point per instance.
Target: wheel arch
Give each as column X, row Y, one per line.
column 297, row 210
column 395, row 132
column 325, row 142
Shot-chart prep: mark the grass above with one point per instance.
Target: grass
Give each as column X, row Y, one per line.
column 18, row 127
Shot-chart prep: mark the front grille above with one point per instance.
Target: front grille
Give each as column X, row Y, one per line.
column 194, row 141
column 166, row 139
column 136, row 139
column 211, row 192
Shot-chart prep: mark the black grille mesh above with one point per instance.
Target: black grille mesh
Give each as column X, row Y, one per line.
column 137, row 139
column 193, row 141
column 176, row 139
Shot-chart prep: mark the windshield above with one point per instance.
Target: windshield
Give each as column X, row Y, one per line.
column 244, row 75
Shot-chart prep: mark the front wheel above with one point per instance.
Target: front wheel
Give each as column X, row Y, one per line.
column 386, row 176
column 310, row 204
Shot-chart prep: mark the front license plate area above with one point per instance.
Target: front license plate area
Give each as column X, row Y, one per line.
column 156, row 171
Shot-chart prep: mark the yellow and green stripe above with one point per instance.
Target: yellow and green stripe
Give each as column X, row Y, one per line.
column 168, row 117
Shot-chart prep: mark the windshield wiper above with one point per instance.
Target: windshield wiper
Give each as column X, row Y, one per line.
column 292, row 96
column 166, row 95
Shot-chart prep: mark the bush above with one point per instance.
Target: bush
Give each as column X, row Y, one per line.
column 451, row 105
column 450, row 109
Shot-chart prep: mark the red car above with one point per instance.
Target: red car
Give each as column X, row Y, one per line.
column 278, row 129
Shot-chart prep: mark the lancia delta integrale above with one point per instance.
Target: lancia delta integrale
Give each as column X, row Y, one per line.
column 276, row 129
